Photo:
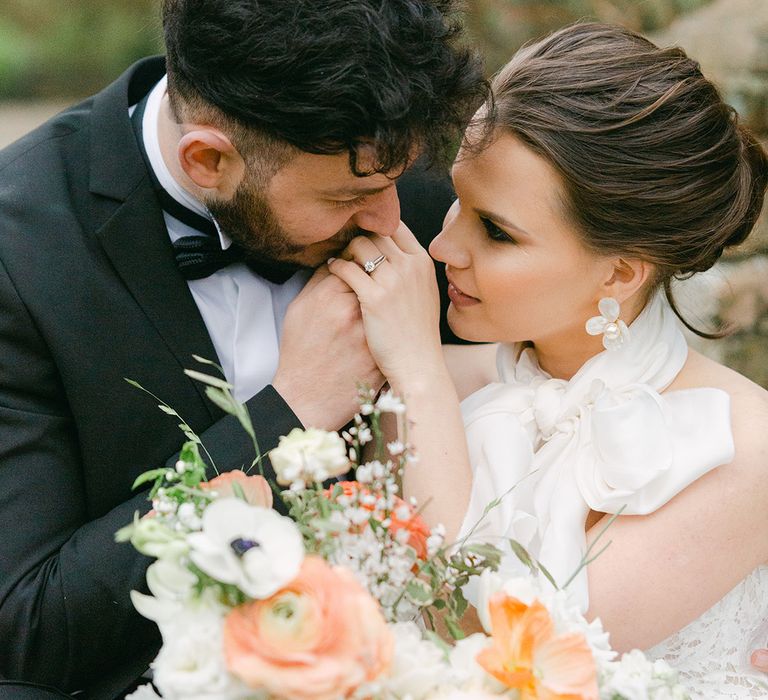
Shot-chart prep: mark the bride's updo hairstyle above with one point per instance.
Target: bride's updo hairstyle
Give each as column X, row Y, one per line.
column 654, row 164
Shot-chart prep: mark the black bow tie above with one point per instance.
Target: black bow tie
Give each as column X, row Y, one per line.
column 200, row 256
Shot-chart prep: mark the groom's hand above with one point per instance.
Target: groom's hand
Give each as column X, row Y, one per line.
column 323, row 354
column 760, row 660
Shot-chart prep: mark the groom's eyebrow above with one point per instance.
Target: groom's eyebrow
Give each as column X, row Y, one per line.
column 355, row 191
column 500, row 220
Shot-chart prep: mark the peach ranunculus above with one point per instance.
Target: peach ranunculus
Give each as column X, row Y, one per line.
column 528, row 655
column 255, row 488
column 402, row 517
column 318, row 638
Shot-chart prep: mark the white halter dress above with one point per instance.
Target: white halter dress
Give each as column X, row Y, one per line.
column 607, row 440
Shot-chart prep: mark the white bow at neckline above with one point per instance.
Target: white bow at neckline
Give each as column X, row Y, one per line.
column 604, row 440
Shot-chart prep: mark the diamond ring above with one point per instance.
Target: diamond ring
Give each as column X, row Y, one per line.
column 371, row 265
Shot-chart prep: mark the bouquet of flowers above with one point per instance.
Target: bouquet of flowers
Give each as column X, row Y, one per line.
column 342, row 598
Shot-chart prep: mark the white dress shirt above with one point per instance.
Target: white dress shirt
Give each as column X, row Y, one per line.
column 242, row 311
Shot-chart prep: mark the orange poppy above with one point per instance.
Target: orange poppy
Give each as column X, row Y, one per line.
column 527, row 654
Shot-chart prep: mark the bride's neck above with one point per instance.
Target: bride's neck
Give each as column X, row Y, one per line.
column 562, row 356
column 562, row 361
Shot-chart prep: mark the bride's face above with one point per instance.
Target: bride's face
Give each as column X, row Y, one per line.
column 517, row 268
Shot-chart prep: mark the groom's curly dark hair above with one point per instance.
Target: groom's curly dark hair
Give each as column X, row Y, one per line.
column 325, row 76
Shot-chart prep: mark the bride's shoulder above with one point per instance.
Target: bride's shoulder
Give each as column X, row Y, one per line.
column 749, row 404
column 702, row 372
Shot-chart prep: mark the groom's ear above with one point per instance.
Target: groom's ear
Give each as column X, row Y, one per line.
column 210, row 160
column 628, row 276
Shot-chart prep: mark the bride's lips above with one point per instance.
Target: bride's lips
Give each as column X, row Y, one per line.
column 459, row 298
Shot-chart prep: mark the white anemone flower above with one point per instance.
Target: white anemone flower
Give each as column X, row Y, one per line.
column 614, row 331
column 254, row 548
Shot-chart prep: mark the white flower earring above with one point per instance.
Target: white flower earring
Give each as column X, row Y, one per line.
column 614, row 331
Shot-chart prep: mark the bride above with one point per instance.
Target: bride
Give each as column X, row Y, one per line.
column 604, row 168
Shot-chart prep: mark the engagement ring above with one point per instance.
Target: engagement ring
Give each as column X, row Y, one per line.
column 371, row 265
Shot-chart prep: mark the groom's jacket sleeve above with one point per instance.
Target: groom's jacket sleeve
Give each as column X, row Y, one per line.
column 65, row 615
column 73, row 434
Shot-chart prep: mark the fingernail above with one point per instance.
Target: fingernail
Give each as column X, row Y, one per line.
column 760, row 659
column 330, row 260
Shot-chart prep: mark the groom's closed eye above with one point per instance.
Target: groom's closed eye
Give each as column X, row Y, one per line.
column 343, row 203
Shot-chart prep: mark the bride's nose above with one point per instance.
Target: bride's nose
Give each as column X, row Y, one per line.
column 450, row 246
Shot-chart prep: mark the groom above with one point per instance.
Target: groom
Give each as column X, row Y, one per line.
column 180, row 214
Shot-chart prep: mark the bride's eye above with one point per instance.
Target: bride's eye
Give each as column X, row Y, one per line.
column 494, row 232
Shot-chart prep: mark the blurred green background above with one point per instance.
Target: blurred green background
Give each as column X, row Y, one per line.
column 55, row 51
column 51, row 48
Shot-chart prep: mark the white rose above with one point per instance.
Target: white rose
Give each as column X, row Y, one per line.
column 190, row 665
column 254, row 548
column 309, row 455
column 171, row 585
column 465, row 671
column 568, row 617
column 630, row 677
column 418, row 665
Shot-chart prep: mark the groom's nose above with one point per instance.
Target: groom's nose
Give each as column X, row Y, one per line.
column 381, row 213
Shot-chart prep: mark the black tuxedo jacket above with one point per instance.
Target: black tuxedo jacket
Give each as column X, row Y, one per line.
column 89, row 295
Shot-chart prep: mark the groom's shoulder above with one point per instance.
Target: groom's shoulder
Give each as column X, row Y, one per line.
column 425, row 197
column 40, row 172
column 36, row 153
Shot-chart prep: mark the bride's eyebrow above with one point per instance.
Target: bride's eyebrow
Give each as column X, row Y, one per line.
column 496, row 218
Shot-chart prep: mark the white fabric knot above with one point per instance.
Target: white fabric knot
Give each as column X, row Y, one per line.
column 605, row 440
column 548, row 406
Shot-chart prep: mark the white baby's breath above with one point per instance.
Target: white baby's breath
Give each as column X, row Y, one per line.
column 388, row 402
column 418, row 665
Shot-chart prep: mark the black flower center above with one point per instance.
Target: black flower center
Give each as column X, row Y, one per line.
column 240, row 546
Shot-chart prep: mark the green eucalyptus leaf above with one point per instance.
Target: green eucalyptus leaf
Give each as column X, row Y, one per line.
column 459, row 602
column 419, row 592
column 189, row 453
column 151, row 475
column 454, row 629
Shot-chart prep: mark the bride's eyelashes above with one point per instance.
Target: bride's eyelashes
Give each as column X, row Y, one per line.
column 494, row 232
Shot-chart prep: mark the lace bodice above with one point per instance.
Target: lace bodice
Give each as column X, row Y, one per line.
column 712, row 653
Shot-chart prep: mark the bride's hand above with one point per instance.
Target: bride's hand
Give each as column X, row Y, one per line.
column 400, row 304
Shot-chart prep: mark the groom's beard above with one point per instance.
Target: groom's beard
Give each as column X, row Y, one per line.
column 249, row 220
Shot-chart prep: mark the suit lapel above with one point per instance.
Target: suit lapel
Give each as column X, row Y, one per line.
column 133, row 232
